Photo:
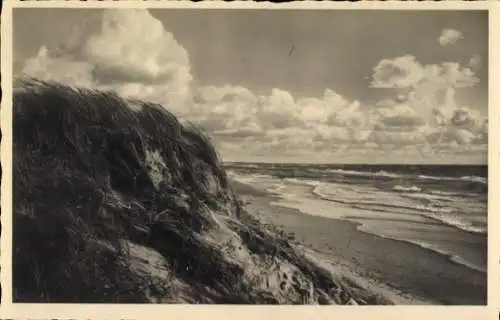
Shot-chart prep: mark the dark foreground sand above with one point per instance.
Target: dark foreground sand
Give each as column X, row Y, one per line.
column 407, row 268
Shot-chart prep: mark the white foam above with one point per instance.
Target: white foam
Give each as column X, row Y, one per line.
column 306, row 182
column 456, row 194
column 407, row 189
column 475, row 179
column 380, row 173
column 464, row 178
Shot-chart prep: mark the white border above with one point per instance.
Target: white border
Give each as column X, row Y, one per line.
column 128, row 311
column 493, row 157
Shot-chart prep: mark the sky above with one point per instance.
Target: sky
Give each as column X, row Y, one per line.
column 329, row 86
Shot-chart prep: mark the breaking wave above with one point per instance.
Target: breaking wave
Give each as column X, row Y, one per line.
column 380, row 173
column 406, row 189
column 477, row 179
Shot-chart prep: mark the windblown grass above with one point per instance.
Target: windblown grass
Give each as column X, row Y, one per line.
column 102, row 184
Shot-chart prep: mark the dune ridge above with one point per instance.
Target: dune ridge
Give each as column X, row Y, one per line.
column 117, row 201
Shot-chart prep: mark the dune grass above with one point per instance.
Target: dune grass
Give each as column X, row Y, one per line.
column 98, row 179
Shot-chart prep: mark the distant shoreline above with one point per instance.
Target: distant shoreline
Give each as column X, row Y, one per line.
column 421, row 274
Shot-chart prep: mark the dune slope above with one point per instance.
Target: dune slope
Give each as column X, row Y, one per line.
column 117, row 201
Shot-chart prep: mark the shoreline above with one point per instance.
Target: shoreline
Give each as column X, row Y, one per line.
column 365, row 228
column 407, row 268
column 451, row 257
column 473, row 232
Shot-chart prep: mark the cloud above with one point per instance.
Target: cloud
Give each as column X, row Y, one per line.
column 449, row 36
column 280, row 124
column 398, row 117
column 133, row 46
column 130, row 52
column 400, row 72
column 474, row 62
column 354, row 128
column 233, row 107
column 176, row 100
column 320, row 110
column 45, row 67
column 458, row 77
column 273, row 122
column 426, row 88
column 406, row 72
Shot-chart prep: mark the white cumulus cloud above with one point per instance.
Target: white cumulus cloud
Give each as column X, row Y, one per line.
column 134, row 46
column 449, row 36
column 400, row 72
column 130, row 52
column 45, row 67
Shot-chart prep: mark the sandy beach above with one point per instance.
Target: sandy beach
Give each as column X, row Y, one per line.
column 420, row 275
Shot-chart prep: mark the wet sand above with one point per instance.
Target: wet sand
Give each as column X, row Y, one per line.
column 407, row 268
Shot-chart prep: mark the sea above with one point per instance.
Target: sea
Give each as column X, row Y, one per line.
column 442, row 208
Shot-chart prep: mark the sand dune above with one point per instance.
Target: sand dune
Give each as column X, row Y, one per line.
column 117, row 201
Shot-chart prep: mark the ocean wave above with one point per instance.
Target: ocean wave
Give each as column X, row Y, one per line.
column 482, row 180
column 371, row 204
column 345, row 191
column 264, row 181
column 436, row 208
column 450, row 208
column 407, row 189
column 419, row 193
column 445, row 215
column 477, row 179
column 432, row 208
column 462, row 224
column 386, row 174
column 452, row 194
column 438, row 200
column 426, row 209
column 299, row 175
column 380, row 173
column 293, row 180
column 312, row 183
column 279, row 188
column 251, row 176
